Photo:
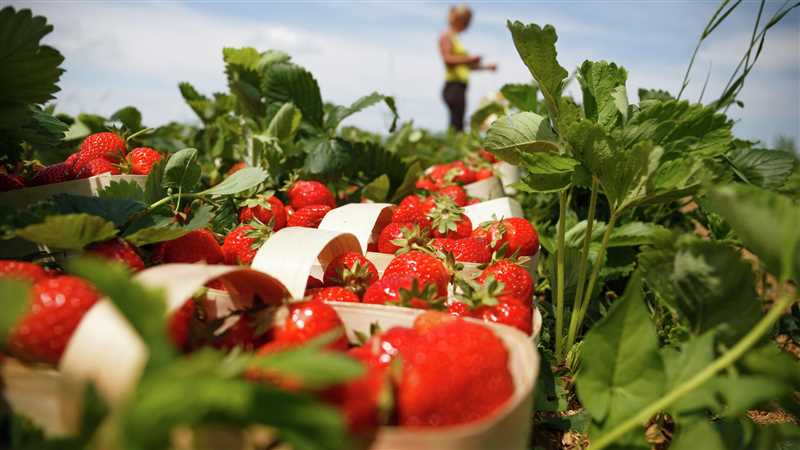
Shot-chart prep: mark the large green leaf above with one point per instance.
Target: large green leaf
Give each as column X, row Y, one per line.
column 537, row 48
column 116, row 210
column 377, row 190
column 524, row 97
column 240, row 181
column 152, row 231
column 766, row 222
column 741, row 434
column 285, row 122
column 621, row 370
column 284, row 82
column 681, row 365
column 339, row 113
column 408, row 184
column 129, row 117
column 69, row 231
column 326, row 156
column 182, row 171
column 768, row 169
column 546, row 172
column 244, row 67
column 521, row 132
column 604, row 97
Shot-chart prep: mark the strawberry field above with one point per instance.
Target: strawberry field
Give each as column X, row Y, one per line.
column 578, row 271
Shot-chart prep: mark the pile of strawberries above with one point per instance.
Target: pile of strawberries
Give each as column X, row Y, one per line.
column 99, row 153
column 459, row 173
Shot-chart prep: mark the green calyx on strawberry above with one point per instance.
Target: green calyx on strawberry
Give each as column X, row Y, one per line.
column 404, row 290
column 266, row 208
column 242, row 243
column 512, row 237
column 448, row 219
column 351, row 270
column 401, row 237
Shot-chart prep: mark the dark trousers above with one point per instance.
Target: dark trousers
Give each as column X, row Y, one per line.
column 455, row 96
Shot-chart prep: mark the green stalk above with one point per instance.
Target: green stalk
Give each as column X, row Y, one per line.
column 562, row 215
column 584, row 261
column 721, row 363
column 598, row 262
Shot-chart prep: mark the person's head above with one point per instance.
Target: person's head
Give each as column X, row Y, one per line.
column 459, row 17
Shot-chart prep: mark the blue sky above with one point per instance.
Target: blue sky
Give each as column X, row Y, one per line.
column 120, row 53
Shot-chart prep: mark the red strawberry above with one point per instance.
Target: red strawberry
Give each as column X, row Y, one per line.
column 300, row 322
column 266, row 210
column 104, row 145
column 468, row 249
column 352, row 270
column 426, row 268
column 403, row 290
column 514, row 236
column 308, row 216
column 10, row 182
column 484, row 173
column 456, row 193
column 305, row 193
column 179, row 325
column 516, row 280
column 313, row 283
column 141, row 160
column 455, row 172
column 242, row 334
column 335, row 294
column 242, row 243
column 487, row 156
column 21, row 270
column 410, row 211
column 57, row 307
column 72, row 159
column 425, row 184
column 473, row 200
column 448, row 220
column 396, row 236
column 236, row 167
column 488, row 300
column 96, row 166
column 56, row 173
column 196, row 246
column 509, row 311
column 118, row 250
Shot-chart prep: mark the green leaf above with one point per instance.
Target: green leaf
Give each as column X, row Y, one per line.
column 537, row 48
column 116, row 210
column 518, row 133
column 240, row 181
column 547, row 172
column 123, row 190
column 377, row 190
column 681, row 365
column 521, row 96
column 153, row 186
column 408, row 184
column 15, row 295
column 339, row 113
column 284, row 124
column 326, row 156
column 766, row 223
column 182, row 171
column 167, row 230
column 604, row 98
column 768, row 169
column 129, row 117
column 312, row 368
column 284, row 82
column 483, row 112
column 741, row 434
column 69, row 231
column 653, row 95
column 622, row 371
column 634, row 233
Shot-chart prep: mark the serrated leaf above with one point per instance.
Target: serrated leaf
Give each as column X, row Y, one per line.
column 182, row 171
column 240, row 181
column 123, row 189
column 116, row 210
column 69, row 231
column 537, row 48
column 284, row 82
column 326, row 155
column 546, row 171
column 522, row 132
column 634, row 233
column 603, row 100
column 153, row 186
column 15, row 295
column 681, row 365
column 483, row 112
column 339, row 113
column 377, row 190
column 768, row 169
column 285, row 122
column 621, row 369
column 524, row 97
column 167, row 230
column 407, row 186
column 129, row 117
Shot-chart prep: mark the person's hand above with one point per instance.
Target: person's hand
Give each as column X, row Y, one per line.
column 492, row 67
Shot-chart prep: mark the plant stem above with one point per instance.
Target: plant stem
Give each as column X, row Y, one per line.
column 562, row 216
column 721, row 363
column 598, row 263
column 584, row 261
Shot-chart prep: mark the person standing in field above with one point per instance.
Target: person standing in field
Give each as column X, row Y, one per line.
column 458, row 64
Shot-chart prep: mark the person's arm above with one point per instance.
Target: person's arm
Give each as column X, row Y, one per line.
column 451, row 59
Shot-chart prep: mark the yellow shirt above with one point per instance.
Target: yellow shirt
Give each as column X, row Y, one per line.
column 458, row 72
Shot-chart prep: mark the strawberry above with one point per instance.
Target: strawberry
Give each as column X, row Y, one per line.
column 22, row 270
column 516, row 280
column 512, row 236
column 455, row 172
column 489, row 157
column 448, row 220
column 473, row 200
column 56, row 173
column 242, row 243
column 400, row 236
column 352, row 270
column 235, row 168
column 483, row 173
column 242, row 334
column 267, row 210
column 72, row 159
column 10, row 182
column 426, row 268
column 468, row 249
column 488, row 301
column 425, row 184
column 509, row 311
column 335, row 294
column 96, row 166
column 179, row 325
column 410, row 211
column 403, row 290
column 141, row 160
column 195, row 246
column 300, row 322
column 313, row 283
column 305, row 193
column 308, row 216
column 456, row 193
column 57, row 307
column 104, row 145
column 118, row 250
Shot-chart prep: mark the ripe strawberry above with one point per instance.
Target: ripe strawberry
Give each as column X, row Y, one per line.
column 56, row 173
column 141, row 160
column 352, row 270
column 467, row 249
column 426, row 268
column 456, row 372
column 512, row 236
column 21, row 270
column 425, row 184
column 179, row 325
column 72, row 159
column 473, row 200
column 242, row 334
column 488, row 301
column 455, row 172
column 195, row 246
column 456, row 193
column 10, row 182
column 308, row 216
column 516, row 280
column 483, row 173
column 410, row 211
column 236, row 167
column 448, row 220
column 489, row 157
column 300, row 322
column 242, row 243
column 57, row 307
column 305, row 193
column 118, row 250
column 400, row 236
column 267, row 210
column 403, row 290
column 104, row 145
column 96, row 166
column 335, row 294
column 313, row 283
column 509, row 311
